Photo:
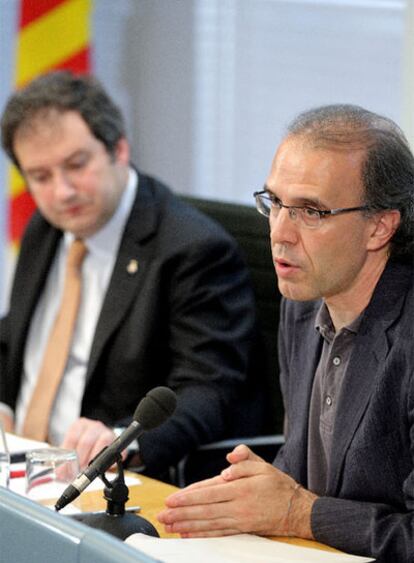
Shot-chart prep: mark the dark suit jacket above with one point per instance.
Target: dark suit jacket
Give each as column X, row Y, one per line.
column 185, row 319
column 369, row 504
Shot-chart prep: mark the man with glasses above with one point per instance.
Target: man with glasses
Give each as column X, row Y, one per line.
column 340, row 203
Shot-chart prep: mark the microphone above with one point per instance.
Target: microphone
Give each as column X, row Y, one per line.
column 153, row 410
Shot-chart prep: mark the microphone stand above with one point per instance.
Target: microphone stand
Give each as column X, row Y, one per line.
column 115, row 520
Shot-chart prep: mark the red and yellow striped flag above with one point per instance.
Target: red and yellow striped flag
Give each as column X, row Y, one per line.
column 53, row 34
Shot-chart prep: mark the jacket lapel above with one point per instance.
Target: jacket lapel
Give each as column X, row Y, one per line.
column 129, row 269
column 366, row 363
column 355, row 393
column 306, row 353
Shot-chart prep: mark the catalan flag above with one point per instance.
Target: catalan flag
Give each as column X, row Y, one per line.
column 52, row 34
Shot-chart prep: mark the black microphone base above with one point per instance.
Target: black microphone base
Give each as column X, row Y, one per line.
column 118, row 526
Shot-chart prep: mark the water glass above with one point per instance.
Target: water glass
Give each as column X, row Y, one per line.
column 49, row 471
column 4, row 459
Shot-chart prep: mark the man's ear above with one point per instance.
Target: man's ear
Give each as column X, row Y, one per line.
column 385, row 225
column 122, row 152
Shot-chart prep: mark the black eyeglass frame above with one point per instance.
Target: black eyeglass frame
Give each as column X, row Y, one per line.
column 321, row 212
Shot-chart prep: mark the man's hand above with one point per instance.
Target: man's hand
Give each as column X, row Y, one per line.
column 88, row 437
column 7, row 422
column 249, row 496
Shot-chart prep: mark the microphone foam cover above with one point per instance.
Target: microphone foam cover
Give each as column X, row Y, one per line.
column 157, row 405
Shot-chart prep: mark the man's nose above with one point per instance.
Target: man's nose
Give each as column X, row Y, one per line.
column 63, row 186
column 283, row 228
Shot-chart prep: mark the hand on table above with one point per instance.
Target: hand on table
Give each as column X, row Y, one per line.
column 248, row 496
column 88, row 437
column 7, row 422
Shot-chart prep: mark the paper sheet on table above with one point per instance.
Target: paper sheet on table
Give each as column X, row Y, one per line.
column 53, row 491
column 19, row 486
column 243, row 548
column 17, row 444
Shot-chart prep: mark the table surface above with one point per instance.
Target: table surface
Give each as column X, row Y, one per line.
column 150, row 497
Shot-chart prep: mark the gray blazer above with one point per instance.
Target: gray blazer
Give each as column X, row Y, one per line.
column 369, row 504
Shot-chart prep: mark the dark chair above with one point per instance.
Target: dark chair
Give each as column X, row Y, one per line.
column 251, row 231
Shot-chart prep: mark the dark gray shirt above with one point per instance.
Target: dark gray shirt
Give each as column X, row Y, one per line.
column 331, row 370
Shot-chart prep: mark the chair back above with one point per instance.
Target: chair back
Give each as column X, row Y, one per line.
column 251, row 231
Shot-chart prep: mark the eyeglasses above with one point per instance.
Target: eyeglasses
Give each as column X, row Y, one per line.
column 267, row 203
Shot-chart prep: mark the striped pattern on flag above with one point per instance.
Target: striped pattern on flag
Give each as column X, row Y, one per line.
column 53, row 34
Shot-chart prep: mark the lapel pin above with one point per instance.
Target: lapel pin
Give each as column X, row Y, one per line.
column 132, row 267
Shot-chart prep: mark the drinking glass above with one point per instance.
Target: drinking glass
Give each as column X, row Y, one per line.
column 4, row 459
column 48, row 472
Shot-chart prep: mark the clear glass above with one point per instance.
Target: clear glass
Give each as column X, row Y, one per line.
column 49, row 471
column 4, row 459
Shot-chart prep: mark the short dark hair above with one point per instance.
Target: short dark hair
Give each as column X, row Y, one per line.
column 387, row 171
column 63, row 91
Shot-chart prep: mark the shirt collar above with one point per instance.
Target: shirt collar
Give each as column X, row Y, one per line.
column 324, row 324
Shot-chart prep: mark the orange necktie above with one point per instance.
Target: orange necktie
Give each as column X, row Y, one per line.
column 36, row 423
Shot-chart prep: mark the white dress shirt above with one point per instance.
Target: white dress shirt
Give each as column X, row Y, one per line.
column 96, row 272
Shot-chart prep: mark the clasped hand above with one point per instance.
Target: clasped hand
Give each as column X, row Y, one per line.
column 249, row 496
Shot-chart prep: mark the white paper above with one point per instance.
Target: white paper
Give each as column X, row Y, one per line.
column 68, row 510
column 243, row 548
column 17, row 444
column 53, row 491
